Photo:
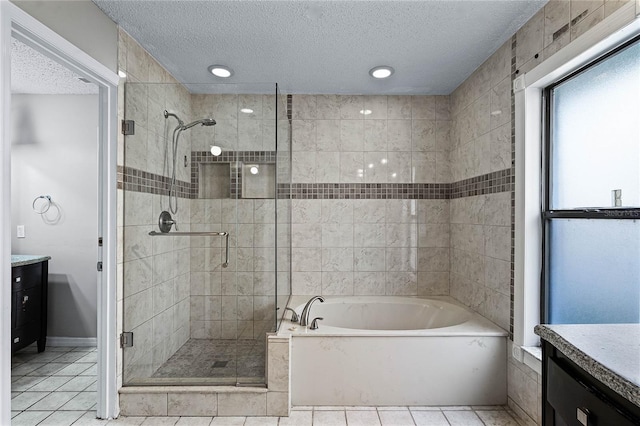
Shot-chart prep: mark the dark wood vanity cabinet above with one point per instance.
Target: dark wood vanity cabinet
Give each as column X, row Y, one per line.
column 29, row 305
column 572, row 397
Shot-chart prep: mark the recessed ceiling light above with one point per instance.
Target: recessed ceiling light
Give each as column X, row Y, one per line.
column 122, row 74
column 220, row 71
column 383, row 71
column 365, row 111
column 246, row 110
column 254, row 170
column 216, row 150
column 383, row 161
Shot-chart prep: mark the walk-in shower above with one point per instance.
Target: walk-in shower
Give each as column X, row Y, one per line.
column 200, row 299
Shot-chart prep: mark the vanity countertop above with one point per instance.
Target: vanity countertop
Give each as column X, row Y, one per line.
column 25, row 259
column 609, row 352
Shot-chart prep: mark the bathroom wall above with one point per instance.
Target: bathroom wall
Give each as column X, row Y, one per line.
column 154, row 272
column 370, row 214
column 82, row 23
column 481, row 157
column 54, row 152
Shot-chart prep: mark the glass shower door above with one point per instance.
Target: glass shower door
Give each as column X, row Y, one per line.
column 195, row 318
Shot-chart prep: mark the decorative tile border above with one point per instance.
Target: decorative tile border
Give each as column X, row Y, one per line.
column 490, row 183
column 136, row 180
column 390, row 191
column 139, row 181
column 513, row 187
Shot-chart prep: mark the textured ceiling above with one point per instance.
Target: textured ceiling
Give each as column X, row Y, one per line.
column 34, row 73
column 323, row 46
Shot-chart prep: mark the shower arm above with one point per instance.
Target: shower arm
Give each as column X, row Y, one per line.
column 198, row 234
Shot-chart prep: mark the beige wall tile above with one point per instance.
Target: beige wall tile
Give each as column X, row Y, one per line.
column 190, row 404
column 530, row 39
column 278, row 404
column 278, row 359
column 141, row 404
column 369, row 283
column 242, row 404
column 591, row 20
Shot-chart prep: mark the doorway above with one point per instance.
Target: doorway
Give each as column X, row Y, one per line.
column 18, row 25
column 54, row 199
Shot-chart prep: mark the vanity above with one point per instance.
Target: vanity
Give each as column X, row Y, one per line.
column 29, row 282
column 590, row 374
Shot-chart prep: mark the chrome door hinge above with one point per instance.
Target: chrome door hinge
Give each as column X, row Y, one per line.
column 99, row 266
column 128, row 127
column 99, row 241
column 126, row 339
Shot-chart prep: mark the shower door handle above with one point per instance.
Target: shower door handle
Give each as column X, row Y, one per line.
column 226, row 251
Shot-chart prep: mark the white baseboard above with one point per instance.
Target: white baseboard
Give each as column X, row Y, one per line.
column 71, row 341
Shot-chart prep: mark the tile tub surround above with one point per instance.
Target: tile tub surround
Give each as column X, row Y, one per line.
column 482, row 141
column 609, row 352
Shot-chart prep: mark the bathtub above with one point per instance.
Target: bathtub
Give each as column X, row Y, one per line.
column 385, row 350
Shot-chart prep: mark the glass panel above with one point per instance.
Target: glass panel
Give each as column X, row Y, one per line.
column 594, row 273
column 196, row 320
column 596, row 135
column 283, row 205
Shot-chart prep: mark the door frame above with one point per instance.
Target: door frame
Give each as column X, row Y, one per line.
column 15, row 23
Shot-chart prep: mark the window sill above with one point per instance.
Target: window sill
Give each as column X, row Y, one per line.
column 531, row 356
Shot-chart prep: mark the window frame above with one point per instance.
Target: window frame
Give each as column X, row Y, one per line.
column 549, row 214
column 613, row 31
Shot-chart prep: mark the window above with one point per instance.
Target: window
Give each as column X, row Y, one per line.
column 591, row 193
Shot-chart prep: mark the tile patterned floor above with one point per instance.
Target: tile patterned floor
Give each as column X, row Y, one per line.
column 58, row 388
column 55, row 387
column 300, row 416
column 217, row 358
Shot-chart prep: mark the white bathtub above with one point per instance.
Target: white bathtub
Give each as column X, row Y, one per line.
column 383, row 350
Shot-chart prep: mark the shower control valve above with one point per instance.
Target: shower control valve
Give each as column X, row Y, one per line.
column 165, row 221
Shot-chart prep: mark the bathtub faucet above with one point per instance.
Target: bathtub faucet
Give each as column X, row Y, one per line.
column 304, row 317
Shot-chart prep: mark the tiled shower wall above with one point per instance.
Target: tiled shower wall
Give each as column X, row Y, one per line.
column 237, row 301
column 482, row 226
column 367, row 215
column 154, row 284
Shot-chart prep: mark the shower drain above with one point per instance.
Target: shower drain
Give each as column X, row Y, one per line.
column 220, row 364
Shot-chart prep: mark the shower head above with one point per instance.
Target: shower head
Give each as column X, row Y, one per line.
column 168, row 114
column 182, row 126
column 204, row 122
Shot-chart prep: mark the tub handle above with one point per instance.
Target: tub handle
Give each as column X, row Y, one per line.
column 314, row 323
column 294, row 315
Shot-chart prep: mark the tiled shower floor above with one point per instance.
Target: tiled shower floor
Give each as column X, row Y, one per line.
column 223, row 359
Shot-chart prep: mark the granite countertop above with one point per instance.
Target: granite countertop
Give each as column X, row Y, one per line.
column 25, row 259
column 609, row 352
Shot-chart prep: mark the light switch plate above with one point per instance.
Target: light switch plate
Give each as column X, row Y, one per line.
column 20, row 231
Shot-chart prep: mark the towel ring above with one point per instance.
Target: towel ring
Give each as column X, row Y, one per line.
column 45, row 207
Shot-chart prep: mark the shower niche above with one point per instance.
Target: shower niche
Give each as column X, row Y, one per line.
column 258, row 180
column 242, row 179
column 214, row 180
